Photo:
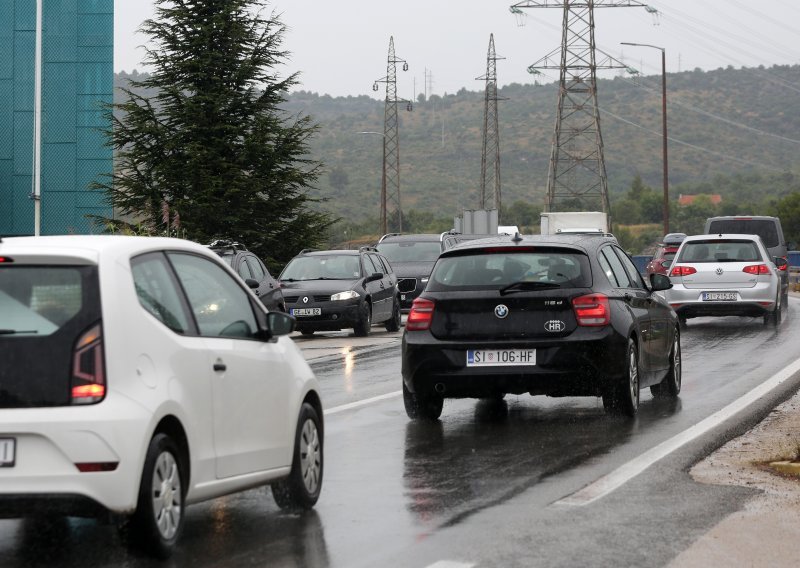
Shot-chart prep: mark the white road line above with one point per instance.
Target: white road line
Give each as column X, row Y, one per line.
column 628, row 471
column 449, row 564
column 360, row 403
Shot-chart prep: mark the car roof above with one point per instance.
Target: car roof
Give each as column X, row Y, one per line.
column 406, row 237
column 585, row 241
column 350, row 252
column 722, row 236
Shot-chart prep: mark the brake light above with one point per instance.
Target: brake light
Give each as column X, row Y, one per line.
column 756, row 269
column 682, row 271
column 88, row 368
column 592, row 310
column 421, row 315
column 6, row 259
column 783, row 267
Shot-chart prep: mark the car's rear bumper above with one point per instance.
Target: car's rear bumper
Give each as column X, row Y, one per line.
column 751, row 302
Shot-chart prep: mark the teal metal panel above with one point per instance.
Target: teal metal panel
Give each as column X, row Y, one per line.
column 24, row 50
column 59, row 103
column 92, row 102
column 96, row 29
column 95, row 119
column 6, row 121
column 58, row 213
column 97, row 6
column 91, row 144
column 92, row 199
column 96, row 78
column 59, row 167
column 60, row 24
column 89, row 171
column 6, row 197
column 6, row 40
column 23, row 143
column 95, row 53
column 22, row 206
column 24, row 14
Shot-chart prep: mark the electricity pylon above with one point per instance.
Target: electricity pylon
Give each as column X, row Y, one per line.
column 577, row 168
column 390, row 177
column 490, row 161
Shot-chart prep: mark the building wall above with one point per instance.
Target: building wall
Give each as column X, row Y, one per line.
column 77, row 79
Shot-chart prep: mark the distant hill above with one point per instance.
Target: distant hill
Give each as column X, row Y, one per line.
column 728, row 122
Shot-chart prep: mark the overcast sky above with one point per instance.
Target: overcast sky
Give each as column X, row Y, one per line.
column 340, row 47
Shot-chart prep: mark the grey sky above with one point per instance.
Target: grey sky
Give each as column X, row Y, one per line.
column 340, row 47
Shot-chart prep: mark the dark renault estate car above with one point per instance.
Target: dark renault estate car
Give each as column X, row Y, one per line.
column 554, row 315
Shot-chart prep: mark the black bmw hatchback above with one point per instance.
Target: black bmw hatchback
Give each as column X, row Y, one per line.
column 565, row 315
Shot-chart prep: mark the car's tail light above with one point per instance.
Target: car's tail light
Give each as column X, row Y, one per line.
column 6, row 259
column 421, row 315
column 88, row 368
column 784, row 266
column 756, row 269
column 682, row 271
column 592, row 310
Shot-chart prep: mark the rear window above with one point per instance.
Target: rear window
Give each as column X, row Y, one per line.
column 411, row 251
column 494, row 270
column 767, row 229
column 39, row 300
column 720, row 251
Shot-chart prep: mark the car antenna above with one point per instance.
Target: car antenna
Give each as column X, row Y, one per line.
column 517, row 238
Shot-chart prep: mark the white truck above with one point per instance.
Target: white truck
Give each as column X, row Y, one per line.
column 558, row 222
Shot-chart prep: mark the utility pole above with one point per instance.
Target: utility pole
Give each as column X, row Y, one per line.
column 577, row 173
column 391, row 211
column 490, row 160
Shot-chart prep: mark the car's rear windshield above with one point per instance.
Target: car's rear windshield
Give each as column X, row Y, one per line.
column 496, row 269
column 764, row 228
column 38, row 300
column 410, row 251
column 732, row 250
column 323, row 267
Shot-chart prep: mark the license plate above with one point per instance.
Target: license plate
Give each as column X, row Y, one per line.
column 500, row 357
column 719, row 296
column 306, row 311
column 7, row 450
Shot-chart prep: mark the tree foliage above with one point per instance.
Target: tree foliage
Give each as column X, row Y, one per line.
column 202, row 142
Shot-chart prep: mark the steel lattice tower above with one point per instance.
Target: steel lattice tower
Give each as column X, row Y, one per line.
column 490, row 161
column 577, row 169
column 390, row 177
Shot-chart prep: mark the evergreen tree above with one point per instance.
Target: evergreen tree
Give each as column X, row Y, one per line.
column 211, row 150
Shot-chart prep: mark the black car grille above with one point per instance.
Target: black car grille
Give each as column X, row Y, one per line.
column 407, row 284
column 311, row 298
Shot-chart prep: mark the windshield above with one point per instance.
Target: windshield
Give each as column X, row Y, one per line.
column 499, row 270
column 319, row 267
column 411, row 251
column 720, row 251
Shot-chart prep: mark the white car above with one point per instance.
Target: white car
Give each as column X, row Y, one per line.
column 140, row 375
column 725, row 275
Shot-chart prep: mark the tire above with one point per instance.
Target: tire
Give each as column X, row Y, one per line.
column 623, row 398
column 364, row 325
column 422, row 407
column 159, row 518
column 396, row 321
column 682, row 322
column 670, row 387
column 301, row 489
column 774, row 317
column 307, row 332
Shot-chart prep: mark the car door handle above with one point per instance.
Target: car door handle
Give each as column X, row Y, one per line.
column 220, row 366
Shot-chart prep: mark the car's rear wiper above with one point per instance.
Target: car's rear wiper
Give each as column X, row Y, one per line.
column 527, row 285
column 17, row 331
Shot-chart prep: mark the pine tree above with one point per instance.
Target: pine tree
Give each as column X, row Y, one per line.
column 212, row 146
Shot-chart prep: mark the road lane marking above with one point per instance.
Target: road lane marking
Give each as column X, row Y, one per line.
column 360, row 403
column 449, row 564
column 628, row 471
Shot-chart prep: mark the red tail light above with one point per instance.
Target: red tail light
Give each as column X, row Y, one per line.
column 88, row 368
column 4, row 259
column 592, row 310
column 756, row 269
column 784, row 266
column 421, row 315
column 682, row 271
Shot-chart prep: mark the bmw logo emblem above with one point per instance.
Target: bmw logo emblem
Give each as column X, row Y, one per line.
column 305, row 299
column 501, row 311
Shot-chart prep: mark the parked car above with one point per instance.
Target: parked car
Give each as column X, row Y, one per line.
column 412, row 257
column 253, row 271
column 664, row 254
column 564, row 315
column 140, row 375
column 726, row 275
column 336, row 289
column 771, row 233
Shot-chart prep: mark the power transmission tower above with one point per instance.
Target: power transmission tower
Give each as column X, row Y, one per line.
column 490, row 161
column 391, row 212
column 577, row 169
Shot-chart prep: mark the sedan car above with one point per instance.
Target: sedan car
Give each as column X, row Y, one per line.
column 140, row 375
column 338, row 289
column 725, row 275
column 552, row 315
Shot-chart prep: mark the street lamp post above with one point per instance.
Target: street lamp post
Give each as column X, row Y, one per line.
column 663, row 126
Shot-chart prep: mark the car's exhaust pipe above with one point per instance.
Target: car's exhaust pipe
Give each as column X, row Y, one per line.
column 440, row 388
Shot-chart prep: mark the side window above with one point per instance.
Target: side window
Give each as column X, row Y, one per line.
column 158, row 292
column 387, row 268
column 244, row 270
column 616, row 267
column 603, row 261
column 220, row 305
column 370, row 264
column 633, row 274
column 256, row 267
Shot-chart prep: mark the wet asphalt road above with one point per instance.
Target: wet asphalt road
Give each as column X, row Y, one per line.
column 480, row 487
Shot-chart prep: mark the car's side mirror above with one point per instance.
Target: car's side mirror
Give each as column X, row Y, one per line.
column 251, row 283
column 373, row 277
column 659, row 282
column 280, row 323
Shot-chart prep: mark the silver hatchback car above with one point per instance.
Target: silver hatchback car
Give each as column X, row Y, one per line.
column 725, row 275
